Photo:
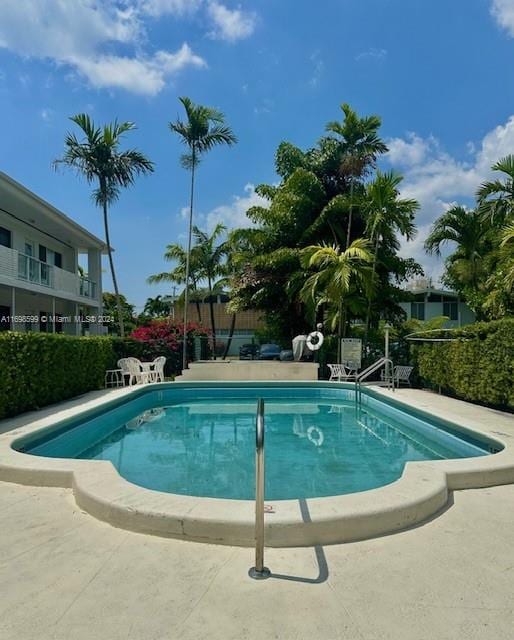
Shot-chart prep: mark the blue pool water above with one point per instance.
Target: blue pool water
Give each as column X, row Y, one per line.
column 202, row 441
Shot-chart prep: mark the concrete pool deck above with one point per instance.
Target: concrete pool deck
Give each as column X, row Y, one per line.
column 67, row 576
column 421, row 492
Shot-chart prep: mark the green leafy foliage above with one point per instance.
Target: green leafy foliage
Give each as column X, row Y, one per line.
column 323, row 198
column 478, row 367
column 40, row 368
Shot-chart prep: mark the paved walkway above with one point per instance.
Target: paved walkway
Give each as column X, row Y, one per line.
column 65, row 575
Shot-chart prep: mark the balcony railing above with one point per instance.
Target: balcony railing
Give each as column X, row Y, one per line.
column 19, row 266
column 34, row 270
column 87, row 288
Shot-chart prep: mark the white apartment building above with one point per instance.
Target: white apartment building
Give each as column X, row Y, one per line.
column 41, row 285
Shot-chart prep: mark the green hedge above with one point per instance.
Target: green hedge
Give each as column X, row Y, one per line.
column 37, row 369
column 479, row 366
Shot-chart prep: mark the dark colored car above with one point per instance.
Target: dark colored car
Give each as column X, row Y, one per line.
column 286, row 355
column 248, row 352
column 269, row 352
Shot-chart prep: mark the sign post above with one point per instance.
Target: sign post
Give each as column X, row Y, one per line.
column 351, row 352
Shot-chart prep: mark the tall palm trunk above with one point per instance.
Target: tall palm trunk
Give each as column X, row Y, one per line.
column 373, row 271
column 340, row 331
column 213, row 325
column 188, row 258
column 230, row 335
column 349, row 227
column 197, row 303
column 111, row 263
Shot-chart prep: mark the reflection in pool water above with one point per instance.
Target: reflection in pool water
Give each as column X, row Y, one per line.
column 204, row 446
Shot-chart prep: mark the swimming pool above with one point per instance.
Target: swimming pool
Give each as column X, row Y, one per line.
column 201, row 441
column 349, row 476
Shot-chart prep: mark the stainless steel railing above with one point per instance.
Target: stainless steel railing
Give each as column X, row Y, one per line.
column 389, row 377
column 259, row 571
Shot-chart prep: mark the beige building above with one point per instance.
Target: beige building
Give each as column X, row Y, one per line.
column 247, row 323
column 41, row 286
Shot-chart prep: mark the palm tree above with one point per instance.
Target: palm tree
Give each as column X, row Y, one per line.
column 98, row 158
column 468, row 230
column 496, row 198
column 360, row 145
column 507, row 246
column 386, row 215
column 177, row 253
column 158, row 307
column 204, row 129
column 211, row 255
column 336, row 273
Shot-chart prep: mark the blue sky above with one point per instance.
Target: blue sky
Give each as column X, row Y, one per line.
column 436, row 72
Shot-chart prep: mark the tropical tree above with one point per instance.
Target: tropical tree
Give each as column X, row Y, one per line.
column 211, row 256
column 176, row 253
column 466, row 267
column 311, row 206
column 496, row 197
column 158, row 307
column 507, row 244
column 111, row 310
column 359, row 145
column 335, row 272
column 203, row 129
column 387, row 215
column 97, row 157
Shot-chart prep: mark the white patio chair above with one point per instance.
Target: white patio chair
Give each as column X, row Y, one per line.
column 157, row 369
column 338, row 372
column 132, row 368
column 401, row 374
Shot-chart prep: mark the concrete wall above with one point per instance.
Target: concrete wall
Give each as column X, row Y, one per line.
column 250, row 370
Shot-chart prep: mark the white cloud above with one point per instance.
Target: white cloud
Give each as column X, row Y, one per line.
column 156, row 8
column 371, row 54
column 233, row 215
column 46, row 114
column 140, row 75
column 503, row 11
column 437, row 180
column 81, row 35
column 318, row 69
column 230, row 24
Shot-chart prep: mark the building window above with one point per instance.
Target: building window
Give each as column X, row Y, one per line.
column 58, row 259
column 5, row 237
column 417, row 310
column 451, row 310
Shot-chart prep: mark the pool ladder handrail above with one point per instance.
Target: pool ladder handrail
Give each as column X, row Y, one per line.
column 259, row 571
column 363, row 375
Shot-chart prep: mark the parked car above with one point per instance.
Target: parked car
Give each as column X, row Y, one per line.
column 286, row 355
column 269, row 352
column 248, row 352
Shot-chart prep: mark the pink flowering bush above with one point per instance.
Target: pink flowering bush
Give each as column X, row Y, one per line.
column 164, row 338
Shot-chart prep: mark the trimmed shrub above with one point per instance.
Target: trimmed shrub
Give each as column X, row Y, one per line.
column 37, row 369
column 478, row 366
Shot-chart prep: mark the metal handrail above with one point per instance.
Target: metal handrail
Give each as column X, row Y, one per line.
column 259, row 571
column 371, row 369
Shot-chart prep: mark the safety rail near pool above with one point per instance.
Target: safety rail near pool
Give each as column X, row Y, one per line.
column 259, row 571
column 389, row 377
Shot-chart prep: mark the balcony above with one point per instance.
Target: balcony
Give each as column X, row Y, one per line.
column 18, row 267
column 33, row 270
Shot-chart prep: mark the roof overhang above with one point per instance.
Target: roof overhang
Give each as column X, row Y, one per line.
column 27, row 207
